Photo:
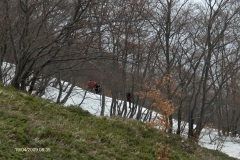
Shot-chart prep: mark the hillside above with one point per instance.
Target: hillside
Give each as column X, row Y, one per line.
column 33, row 128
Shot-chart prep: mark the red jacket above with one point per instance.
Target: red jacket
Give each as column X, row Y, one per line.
column 90, row 84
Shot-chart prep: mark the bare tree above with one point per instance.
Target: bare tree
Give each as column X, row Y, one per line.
column 167, row 21
column 38, row 31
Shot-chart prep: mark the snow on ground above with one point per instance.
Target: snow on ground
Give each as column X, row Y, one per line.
column 8, row 72
column 230, row 146
column 92, row 103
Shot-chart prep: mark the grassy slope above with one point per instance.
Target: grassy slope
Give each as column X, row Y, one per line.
column 70, row 133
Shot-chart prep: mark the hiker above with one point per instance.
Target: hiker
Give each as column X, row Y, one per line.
column 128, row 95
column 97, row 88
column 90, row 85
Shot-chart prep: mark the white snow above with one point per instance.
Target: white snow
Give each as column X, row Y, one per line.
column 92, row 103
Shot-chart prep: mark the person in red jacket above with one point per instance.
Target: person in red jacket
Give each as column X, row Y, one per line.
column 90, row 85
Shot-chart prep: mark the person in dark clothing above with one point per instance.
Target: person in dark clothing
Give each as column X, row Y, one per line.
column 128, row 95
column 97, row 88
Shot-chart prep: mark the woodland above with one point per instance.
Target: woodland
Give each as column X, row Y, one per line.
column 177, row 57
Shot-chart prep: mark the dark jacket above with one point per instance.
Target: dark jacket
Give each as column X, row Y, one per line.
column 128, row 96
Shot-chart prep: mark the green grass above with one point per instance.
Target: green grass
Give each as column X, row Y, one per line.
column 70, row 133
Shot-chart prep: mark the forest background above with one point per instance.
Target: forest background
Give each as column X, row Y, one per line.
column 178, row 58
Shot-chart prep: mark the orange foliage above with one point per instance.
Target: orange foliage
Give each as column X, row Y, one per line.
column 162, row 105
column 163, row 152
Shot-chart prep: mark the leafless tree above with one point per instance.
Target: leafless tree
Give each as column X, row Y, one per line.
column 38, row 31
column 210, row 41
